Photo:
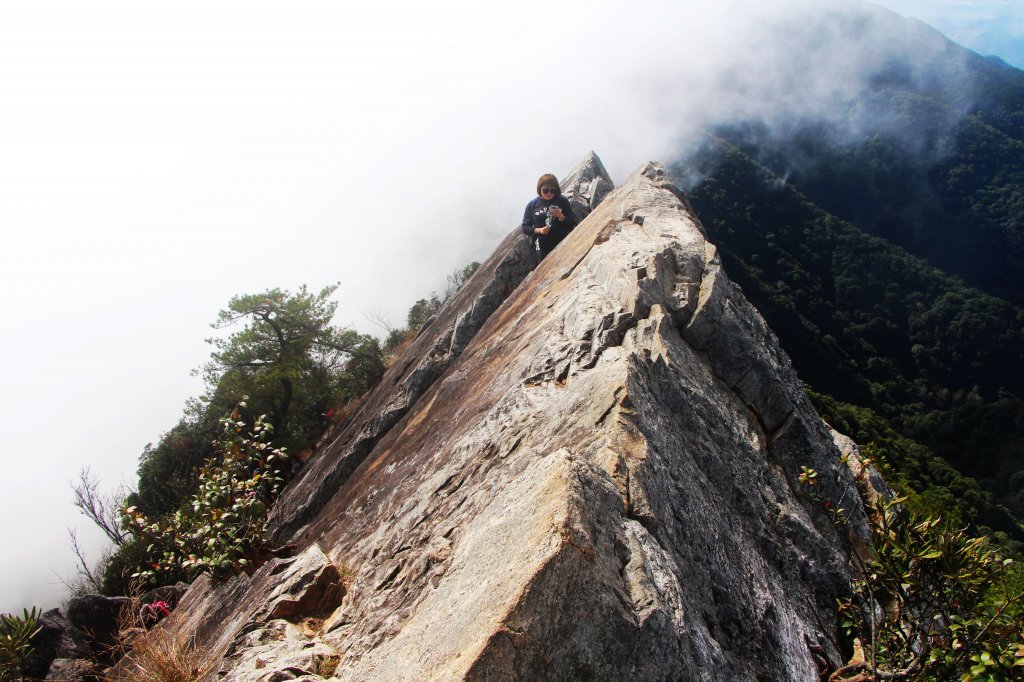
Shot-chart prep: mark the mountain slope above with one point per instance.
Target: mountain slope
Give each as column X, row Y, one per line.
column 930, row 158
column 882, row 236
column 870, row 324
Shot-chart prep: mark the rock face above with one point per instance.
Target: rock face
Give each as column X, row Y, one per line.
column 438, row 344
column 58, row 638
column 587, row 471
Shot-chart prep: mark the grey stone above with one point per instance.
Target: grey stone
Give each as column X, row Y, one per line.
column 599, row 482
column 171, row 594
column 587, row 185
column 57, row 638
column 249, row 620
column 73, row 670
column 97, row 617
column 431, row 353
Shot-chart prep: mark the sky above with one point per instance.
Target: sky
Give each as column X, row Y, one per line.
column 989, row 27
column 156, row 160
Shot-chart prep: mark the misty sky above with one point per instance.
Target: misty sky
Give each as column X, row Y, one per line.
column 156, row 160
column 989, row 27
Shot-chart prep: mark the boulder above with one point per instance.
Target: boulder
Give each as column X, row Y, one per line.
column 98, row 617
column 57, row 638
column 171, row 594
column 239, row 632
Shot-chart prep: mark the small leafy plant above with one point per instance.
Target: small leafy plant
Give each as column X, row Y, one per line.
column 222, row 530
column 808, row 479
column 15, row 646
column 932, row 603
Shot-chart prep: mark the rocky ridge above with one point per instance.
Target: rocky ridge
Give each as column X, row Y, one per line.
column 586, row 470
column 439, row 342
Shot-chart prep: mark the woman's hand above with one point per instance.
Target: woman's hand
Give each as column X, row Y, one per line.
column 557, row 213
column 541, row 230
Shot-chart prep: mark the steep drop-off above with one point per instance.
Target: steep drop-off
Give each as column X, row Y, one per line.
column 584, row 471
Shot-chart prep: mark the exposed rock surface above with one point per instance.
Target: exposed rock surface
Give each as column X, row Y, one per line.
column 97, row 616
column 871, row 487
column 57, row 638
column 587, row 185
column 72, row 670
column 587, row 471
column 438, row 344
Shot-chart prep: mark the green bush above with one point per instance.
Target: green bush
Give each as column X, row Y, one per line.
column 291, row 362
column 222, row 530
column 15, row 633
column 122, row 564
column 933, row 603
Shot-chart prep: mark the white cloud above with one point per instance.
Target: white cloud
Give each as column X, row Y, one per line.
column 989, row 27
column 158, row 160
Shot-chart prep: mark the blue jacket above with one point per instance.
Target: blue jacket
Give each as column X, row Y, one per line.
column 535, row 216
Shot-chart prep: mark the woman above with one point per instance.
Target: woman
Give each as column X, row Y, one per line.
column 548, row 217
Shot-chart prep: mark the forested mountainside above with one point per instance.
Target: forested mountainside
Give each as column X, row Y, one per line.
column 888, row 259
column 930, row 159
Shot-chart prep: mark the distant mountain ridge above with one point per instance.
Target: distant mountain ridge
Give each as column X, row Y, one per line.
column 889, row 259
column 935, row 168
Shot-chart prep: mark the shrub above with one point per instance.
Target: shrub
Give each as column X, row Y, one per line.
column 222, row 530
column 15, row 633
column 160, row 656
column 932, row 603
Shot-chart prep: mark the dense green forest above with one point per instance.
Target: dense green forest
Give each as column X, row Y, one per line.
column 938, row 170
column 870, row 325
column 886, row 252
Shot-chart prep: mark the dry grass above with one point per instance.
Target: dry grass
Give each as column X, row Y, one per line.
column 325, row 666
column 160, row 656
column 151, row 654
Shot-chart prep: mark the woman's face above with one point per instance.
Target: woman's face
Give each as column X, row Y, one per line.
column 547, row 192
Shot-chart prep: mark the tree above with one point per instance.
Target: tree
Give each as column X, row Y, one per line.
column 166, row 470
column 932, row 603
column 294, row 365
column 459, row 277
column 287, row 339
column 103, row 509
column 421, row 311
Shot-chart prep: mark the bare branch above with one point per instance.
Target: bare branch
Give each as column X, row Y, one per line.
column 103, row 510
column 88, row 575
column 376, row 318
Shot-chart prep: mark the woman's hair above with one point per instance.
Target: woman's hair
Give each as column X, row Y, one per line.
column 549, row 179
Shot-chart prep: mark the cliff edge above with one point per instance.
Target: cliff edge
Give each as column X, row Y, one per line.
column 583, row 470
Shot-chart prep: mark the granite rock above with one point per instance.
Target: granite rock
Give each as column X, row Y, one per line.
column 437, row 345
column 599, row 482
column 57, row 638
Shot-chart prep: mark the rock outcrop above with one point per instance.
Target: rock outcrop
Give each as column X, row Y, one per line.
column 587, row 470
column 57, row 638
column 441, row 340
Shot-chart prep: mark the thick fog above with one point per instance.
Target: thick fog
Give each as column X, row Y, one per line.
column 158, row 160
